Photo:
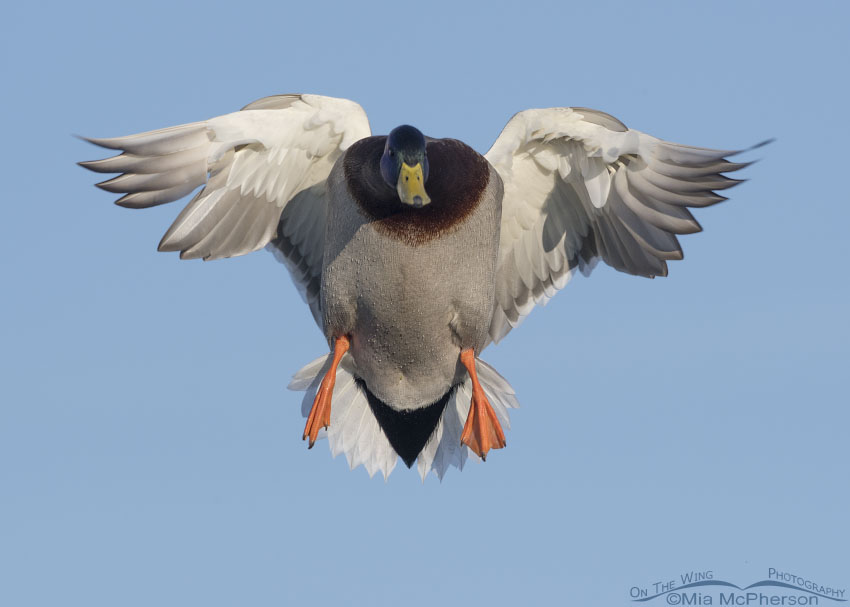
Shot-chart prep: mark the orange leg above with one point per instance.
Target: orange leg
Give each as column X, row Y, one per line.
column 482, row 430
column 320, row 414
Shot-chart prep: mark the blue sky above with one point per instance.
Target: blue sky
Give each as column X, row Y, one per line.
column 150, row 454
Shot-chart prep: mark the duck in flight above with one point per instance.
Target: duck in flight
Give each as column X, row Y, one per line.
column 413, row 253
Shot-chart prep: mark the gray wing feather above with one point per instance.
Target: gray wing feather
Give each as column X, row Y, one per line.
column 302, row 224
column 261, row 172
column 579, row 187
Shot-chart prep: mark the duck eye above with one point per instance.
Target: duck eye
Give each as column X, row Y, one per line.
column 392, row 153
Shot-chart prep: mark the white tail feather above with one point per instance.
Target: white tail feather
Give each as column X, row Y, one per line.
column 355, row 432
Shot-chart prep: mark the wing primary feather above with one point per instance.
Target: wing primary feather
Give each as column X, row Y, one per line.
column 130, row 163
column 654, row 241
column 194, row 174
column 689, row 171
column 707, row 183
column 667, row 217
column 691, row 199
column 161, row 141
column 143, row 200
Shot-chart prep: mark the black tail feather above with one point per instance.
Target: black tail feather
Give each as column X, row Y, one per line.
column 407, row 431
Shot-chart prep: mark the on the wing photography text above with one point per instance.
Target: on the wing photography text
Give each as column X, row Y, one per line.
column 779, row 587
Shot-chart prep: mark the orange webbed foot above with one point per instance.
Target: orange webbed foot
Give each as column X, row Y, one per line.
column 482, row 430
column 320, row 413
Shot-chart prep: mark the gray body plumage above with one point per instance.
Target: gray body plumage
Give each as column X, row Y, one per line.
column 409, row 309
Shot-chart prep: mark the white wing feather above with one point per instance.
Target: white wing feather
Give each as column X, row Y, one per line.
column 263, row 170
column 580, row 186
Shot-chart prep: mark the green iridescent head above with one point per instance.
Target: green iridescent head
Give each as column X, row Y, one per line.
column 404, row 165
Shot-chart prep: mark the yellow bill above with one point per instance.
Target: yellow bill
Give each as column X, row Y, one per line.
column 411, row 185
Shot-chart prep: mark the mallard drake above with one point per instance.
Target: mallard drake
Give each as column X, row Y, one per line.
column 415, row 253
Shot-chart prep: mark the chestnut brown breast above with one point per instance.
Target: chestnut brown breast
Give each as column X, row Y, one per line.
column 457, row 179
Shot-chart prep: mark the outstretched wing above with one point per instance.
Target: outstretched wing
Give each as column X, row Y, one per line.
column 580, row 186
column 263, row 170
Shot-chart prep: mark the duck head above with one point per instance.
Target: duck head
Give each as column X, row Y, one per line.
column 404, row 165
